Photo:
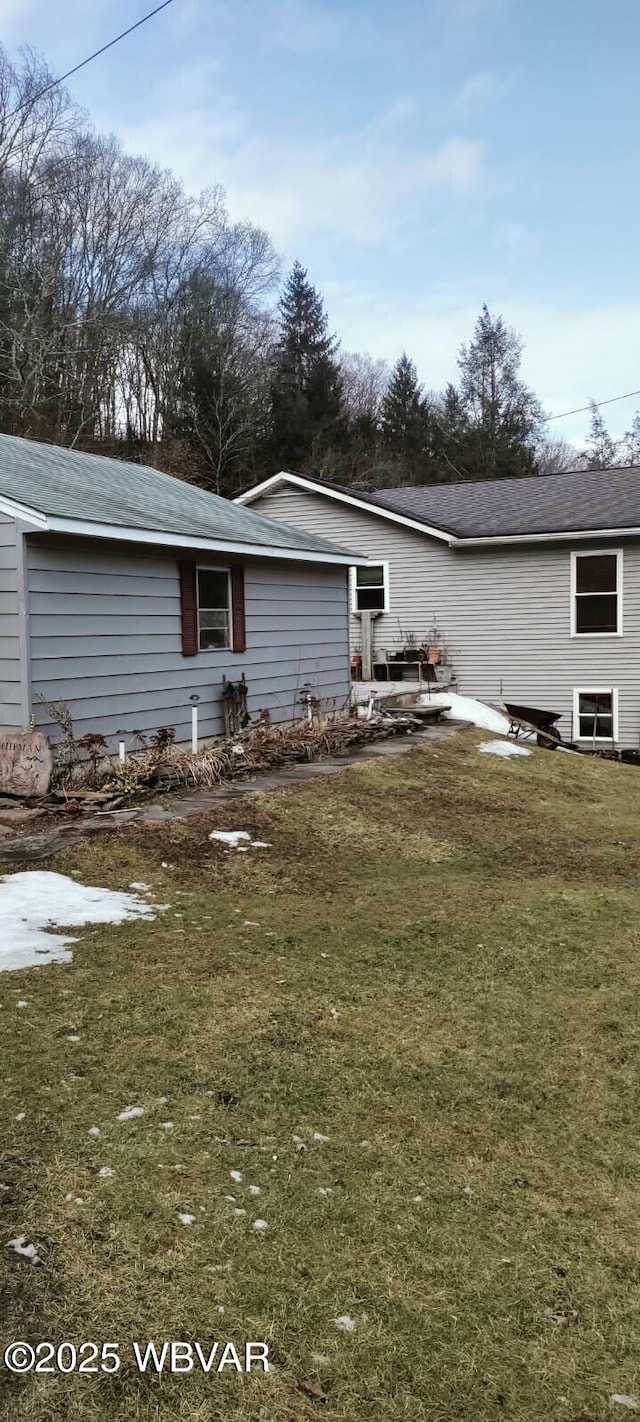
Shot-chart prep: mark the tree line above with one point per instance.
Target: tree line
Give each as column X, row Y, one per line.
column 139, row 320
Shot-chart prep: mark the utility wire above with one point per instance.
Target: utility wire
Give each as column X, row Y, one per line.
column 33, row 98
column 593, row 403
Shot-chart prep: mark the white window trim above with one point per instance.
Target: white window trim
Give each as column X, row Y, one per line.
column 598, row 553
column 375, row 563
column 214, row 568
column 579, row 691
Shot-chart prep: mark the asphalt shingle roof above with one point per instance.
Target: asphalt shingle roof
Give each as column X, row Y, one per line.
column 557, row 503
column 66, row 483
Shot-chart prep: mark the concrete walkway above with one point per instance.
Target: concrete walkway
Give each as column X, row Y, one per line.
column 165, row 808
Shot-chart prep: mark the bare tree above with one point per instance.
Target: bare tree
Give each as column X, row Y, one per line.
column 557, row 456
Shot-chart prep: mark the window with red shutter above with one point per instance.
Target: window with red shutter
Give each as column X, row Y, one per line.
column 189, row 609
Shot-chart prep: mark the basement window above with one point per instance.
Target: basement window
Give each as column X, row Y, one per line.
column 214, row 608
column 595, row 715
column 596, row 594
column 371, row 588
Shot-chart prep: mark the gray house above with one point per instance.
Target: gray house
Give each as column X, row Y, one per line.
column 534, row 584
column 124, row 593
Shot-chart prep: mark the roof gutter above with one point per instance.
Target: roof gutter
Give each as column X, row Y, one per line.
column 84, row 529
column 561, row 536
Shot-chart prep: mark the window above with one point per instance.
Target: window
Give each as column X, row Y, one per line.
column 371, row 588
column 595, row 715
column 596, row 594
column 214, row 608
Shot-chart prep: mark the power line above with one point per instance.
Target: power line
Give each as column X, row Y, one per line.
column 33, row 98
column 594, row 403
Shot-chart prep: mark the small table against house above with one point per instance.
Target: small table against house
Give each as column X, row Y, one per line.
column 396, row 670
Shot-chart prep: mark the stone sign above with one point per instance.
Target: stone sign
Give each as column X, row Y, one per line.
column 26, row 763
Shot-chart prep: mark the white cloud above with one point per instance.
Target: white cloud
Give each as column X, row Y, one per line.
column 476, row 92
column 10, row 11
column 356, row 184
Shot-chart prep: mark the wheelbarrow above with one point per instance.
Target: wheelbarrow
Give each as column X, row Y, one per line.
column 525, row 721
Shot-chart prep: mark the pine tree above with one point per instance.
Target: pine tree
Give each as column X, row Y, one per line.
column 504, row 415
column 306, row 391
column 406, row 425
column 601, row 451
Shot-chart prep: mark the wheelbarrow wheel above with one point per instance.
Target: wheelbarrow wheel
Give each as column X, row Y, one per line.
column 550, row 739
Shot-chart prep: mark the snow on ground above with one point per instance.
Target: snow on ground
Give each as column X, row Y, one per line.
column 36, row 900
column 503, row 748
column 238, row 839
column 467, row 708
column 22, row 1246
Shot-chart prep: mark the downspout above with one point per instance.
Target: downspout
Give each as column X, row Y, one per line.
column 24, row 640
column 366, row 621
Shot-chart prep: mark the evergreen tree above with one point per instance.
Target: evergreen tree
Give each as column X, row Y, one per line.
column 504, row 415
column 306, row 392
column 628, row 451
column 406, row 424
column 601, row 451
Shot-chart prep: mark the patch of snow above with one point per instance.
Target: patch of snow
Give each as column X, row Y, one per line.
column 345, row 1323
column 238, row 839
column 231, row 1199
column 21, row 1004
column 503, row 748
column 250, row 923
column 36, row 900
column 94, row 1130
column 624, row 1399
column 166, row 1125
column 236, row 1175
column 239, row 1212
column 230, row 837
column 141, row 888
column 105, row 1172
column 417, row 1199
column 318, row 1136
column 130, row 1113
column 467, row 708
column 22, row 1246
column 187, row 1219
column 73, row 1038
column 320, row 1359
column 21, row 1115
column 325, row 1190
column 260, row 1224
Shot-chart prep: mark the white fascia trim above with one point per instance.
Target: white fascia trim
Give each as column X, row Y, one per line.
column 84, row 529
column 560, row 537
column 20, row 511
column 298, row 482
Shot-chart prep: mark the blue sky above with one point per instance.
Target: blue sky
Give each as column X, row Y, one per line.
column 418, row 156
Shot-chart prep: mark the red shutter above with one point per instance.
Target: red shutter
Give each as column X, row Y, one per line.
column 189, row 609
column 238, row 621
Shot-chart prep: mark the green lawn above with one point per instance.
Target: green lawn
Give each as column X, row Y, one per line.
column 439, row 974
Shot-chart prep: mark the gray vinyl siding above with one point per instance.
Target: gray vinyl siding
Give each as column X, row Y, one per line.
column 11, row 717
column 106, row 640
column 504, row 611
